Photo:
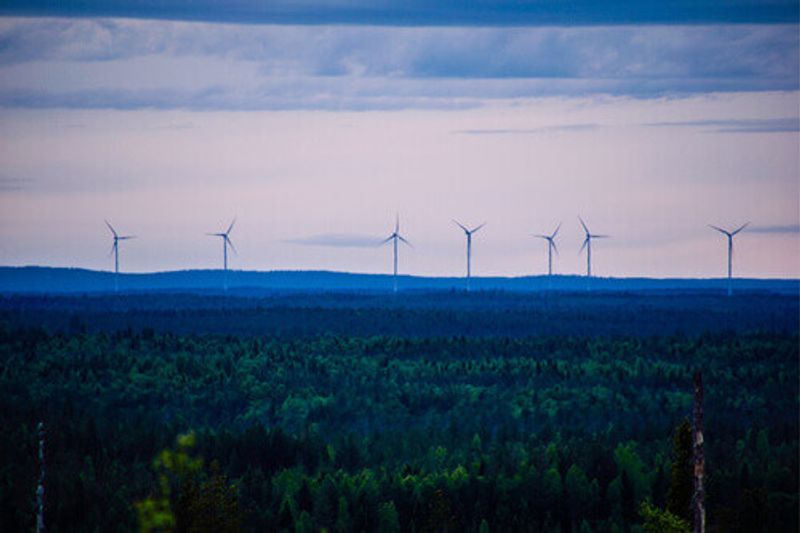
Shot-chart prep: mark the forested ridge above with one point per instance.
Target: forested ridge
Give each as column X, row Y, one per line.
column 415, row 314
column 419, row 431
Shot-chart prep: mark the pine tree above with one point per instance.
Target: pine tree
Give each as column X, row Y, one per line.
column 343, row 521
column 388, row 520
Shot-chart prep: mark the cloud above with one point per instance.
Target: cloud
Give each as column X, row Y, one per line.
column 772, row 125
column 125, row 64
column 422, row 12
column 788, row 228
column 529, row 131
column 11, row 184
column 342, row 240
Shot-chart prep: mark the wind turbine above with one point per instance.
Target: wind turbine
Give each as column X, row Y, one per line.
column 587, row 243
column 730, row 235
column 551, row 247
column 115, row 251
column 226, row 241
column 394, row 237
column 468, row 232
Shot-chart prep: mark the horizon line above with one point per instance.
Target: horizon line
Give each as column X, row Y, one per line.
column 390, row 275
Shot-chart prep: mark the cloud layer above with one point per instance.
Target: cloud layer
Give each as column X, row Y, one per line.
column 786, row 228
column 773, row 125
column 422, row 12
column 124, row 64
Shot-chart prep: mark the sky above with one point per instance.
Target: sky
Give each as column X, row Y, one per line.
column 315, row 123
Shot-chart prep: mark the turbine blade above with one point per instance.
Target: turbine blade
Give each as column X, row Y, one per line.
column 585, row 242
column 719, row 229
column 109, row 227
column 553, row 244
column 397, row 222
column 215, row 234
column 553, row 236
column 231, row 226
column 539, row 235
column 405, row 241
column 479, row 227
column 584, row 225
column 126, row 237
column 460, row 225
column 601, row 236
column 229, row 241
column 387, row 239
column 740, row 229
column 113, row 246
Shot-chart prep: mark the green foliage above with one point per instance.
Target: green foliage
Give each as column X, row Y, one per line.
column 580, row 492
column 304, row 524
column 344, row 523
column 305, row 433
column 210, row 505
column 388, row 520
column 660, row 521
column 155, row 512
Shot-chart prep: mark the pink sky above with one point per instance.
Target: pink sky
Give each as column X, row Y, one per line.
column 354, row 148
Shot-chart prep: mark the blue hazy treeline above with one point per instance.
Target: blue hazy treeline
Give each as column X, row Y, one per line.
column 75, row 280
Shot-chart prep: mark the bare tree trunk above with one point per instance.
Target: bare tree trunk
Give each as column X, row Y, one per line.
column 698, row 500
column 40, row 488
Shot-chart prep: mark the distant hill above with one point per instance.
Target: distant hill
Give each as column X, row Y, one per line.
column 76, row 280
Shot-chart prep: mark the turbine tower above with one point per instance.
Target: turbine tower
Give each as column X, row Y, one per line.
column 468, row 232
column 115, row 251
column 226, row 241
column 730, row 235
column 587, row 243
column 551, row 247
column 394, row 237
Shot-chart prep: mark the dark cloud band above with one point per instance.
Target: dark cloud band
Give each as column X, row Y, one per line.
column 124, row 64
column 422, row 12
column 787, row 228
column 770, row 125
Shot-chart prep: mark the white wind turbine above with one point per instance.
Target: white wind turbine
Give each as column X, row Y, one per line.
column 587, row 244
column 394, row 237
column 730, row 235
column 468, row 232
column 115, row 251
column 551, row 247
column 226, row 241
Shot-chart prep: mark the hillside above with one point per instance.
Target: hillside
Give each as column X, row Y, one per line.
column 75, row 280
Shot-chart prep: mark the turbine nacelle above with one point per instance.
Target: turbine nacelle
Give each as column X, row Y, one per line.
column 116, row 236
column 551, row 239
column 589, row 235
column 468, row 231
column 395, row 234
column 226, row 236
column 730, row 234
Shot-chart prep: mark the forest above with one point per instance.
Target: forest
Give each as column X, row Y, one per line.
column 423, row 412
